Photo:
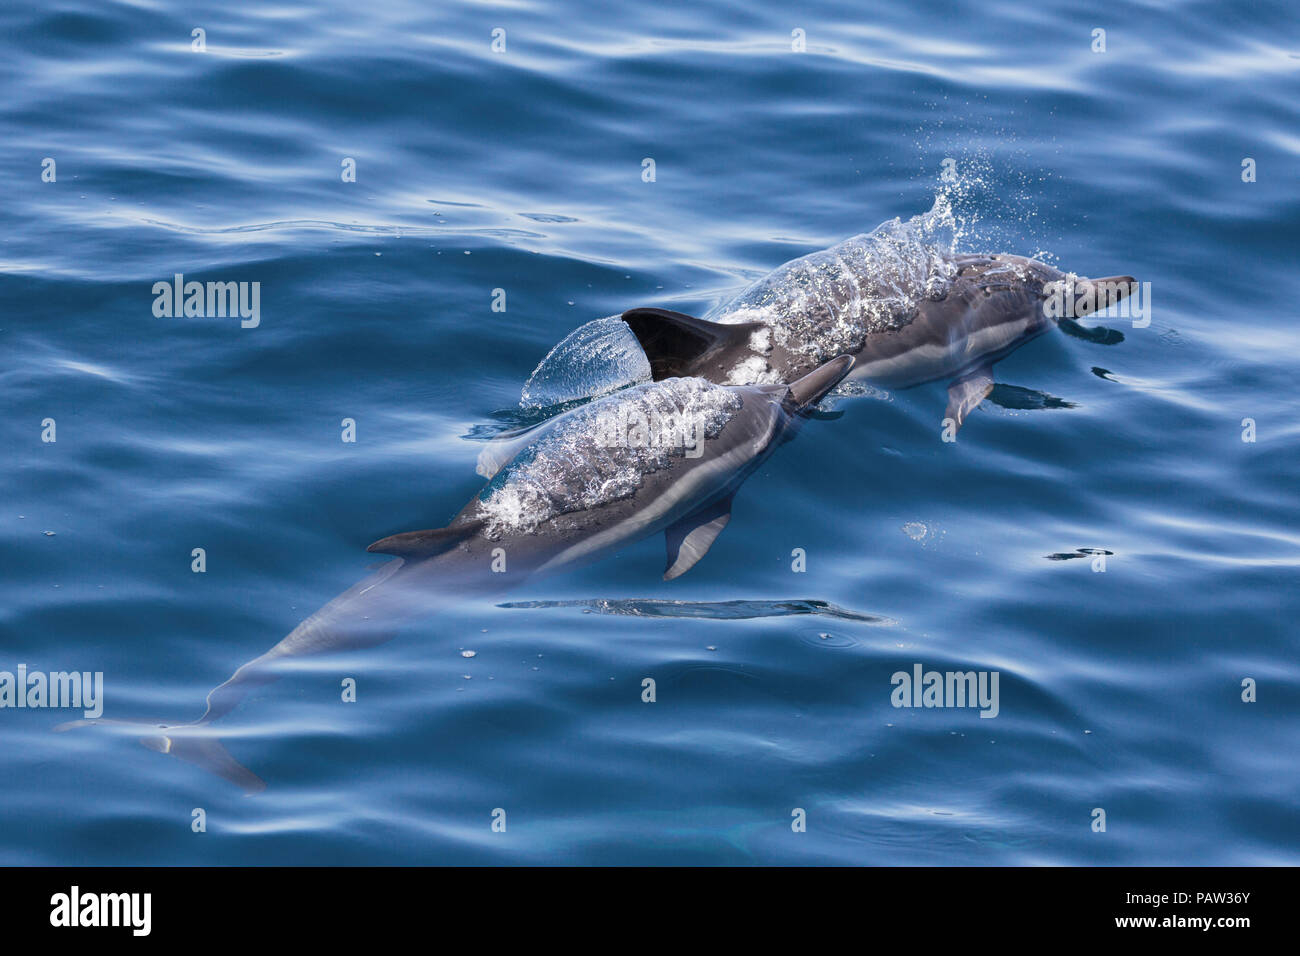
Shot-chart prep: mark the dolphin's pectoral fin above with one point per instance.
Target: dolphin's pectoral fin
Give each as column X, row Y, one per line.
column 691, row 537
column 967, row 392
column 812, row 388
column 425, row 544
column 674, row 341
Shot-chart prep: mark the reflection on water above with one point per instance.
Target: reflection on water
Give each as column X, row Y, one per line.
column 708, row 610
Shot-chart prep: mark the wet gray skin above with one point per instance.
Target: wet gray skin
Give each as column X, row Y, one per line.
column 950, row 322
column 583, row 496
column 577, row 492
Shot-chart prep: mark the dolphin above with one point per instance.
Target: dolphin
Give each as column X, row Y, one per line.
column 909, row 313
column 663, row 456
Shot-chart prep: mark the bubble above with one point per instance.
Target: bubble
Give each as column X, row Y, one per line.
column 592, row 360
column 825, row 304
column 590, row 456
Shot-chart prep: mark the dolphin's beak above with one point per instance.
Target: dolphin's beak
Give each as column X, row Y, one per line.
column 1094, row 295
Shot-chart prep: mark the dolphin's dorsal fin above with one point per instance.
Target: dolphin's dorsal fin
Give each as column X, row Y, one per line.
column 675, row 342
column 690, row 538
column 965, row 393
column 425, row 544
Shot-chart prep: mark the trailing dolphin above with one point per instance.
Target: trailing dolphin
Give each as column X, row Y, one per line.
column 665, row 456
column 660, row 457
column 944, row 317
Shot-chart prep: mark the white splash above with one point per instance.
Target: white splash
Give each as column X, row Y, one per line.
column 585, row 459
column 826, row 303
column 594, row 359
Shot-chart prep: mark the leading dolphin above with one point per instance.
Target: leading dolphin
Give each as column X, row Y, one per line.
column 945, row 317
column 665, row 456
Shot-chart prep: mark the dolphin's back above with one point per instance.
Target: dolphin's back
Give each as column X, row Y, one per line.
column 603, row 452
column 826, row 303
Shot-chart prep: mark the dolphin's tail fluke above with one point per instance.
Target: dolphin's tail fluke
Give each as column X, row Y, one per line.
column 362, row 616
column 211, row 754
column 194, row 743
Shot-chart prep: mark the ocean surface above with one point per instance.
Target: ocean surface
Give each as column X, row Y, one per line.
column 1115, row 533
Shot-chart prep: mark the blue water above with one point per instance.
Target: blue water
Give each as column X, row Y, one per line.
column 522, row 170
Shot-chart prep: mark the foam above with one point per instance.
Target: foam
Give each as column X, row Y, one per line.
column 825, row 304
column 603, row 451
column 597, row 358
